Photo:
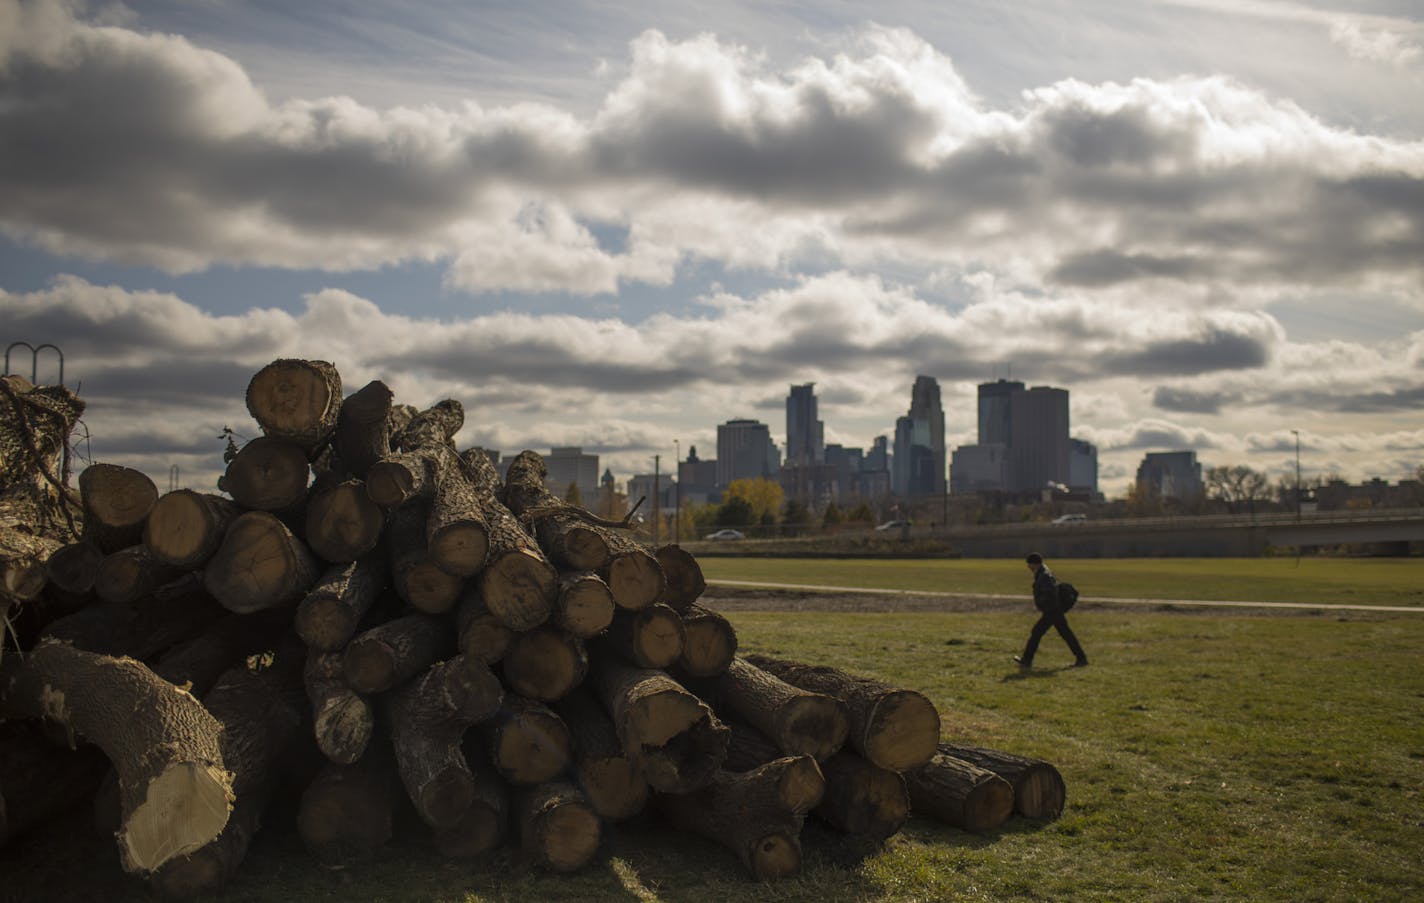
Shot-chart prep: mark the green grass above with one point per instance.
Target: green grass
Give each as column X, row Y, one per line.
column 1371, row 581
column 1207, row 757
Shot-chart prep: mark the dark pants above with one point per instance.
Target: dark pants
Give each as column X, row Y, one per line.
column 1049, row 619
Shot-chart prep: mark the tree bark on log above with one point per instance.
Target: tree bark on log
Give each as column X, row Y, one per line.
column 185, row 528
column 342, row 523
column 800, row 722
column 257, row 723
column 23, row 561
column 633, row 574
column 268, row 474
column 417, row 579
column 117, row 501
column 484, row 824
column 426, row 451
column 674, row 737
column 558, row 829
column 347, row 811
column 260, row 564
column 611, row 780
column 959, row 793
column 862, row 798
column 73, row 567
column 711, row 642
column 584, row 606
column 428, row 718
column 757, row 814
column 651, row 637
column 518, row 583
column 456, row 533
column 526, row 742
column 342, row 720
column 389, row 654
column 143, row 628
column 545, row 663
column 296, row 400
column 893, row 727
column 176, row 791
column 1039, row 791
column 132, row 573
column 35, row 423
column 481, row 634
column 685, row 583
column 363, row 428
column 570, row 540
column 328, row 617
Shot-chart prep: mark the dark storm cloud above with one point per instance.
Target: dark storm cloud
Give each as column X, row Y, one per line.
column 1185, row 401
column 1405, row 400
column 1215, row 350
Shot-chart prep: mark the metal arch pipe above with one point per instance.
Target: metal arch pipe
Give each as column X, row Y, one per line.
column 35, row 359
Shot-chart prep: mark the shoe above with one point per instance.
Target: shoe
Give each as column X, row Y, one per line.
column 1023, row 664
column 1081, row 663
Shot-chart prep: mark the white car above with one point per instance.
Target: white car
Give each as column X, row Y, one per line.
column 893, row 525
column 724, row 535
column 1070, row 519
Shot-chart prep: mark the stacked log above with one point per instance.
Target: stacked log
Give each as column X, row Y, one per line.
column 522, row 671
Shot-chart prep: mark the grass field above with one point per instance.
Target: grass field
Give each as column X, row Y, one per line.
column 1372, row 581
column 1208, row 755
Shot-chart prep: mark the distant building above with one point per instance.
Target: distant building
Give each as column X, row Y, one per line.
column 919, row 465
column 1039, row 444
column 875, row 469
column 1175, row 475
column 995, row 400
column 1023, row 443
column 698, row 479
column 569, row 465
column 1082, row 466
column 745, row 451
column 979, row 468
column 805, row 434
column 659, row 490
column 847, row 463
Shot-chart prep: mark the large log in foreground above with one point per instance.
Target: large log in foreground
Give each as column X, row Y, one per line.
column 960, row 794
column 1039, row 790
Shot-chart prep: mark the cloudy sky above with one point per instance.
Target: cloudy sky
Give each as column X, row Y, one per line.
column 618, row 224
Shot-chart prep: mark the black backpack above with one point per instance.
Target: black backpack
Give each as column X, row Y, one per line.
column 1067, row 595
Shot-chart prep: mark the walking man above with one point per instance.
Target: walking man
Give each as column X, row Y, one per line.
column 1045, row 599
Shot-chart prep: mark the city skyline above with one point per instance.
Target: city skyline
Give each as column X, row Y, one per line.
column 613, row 228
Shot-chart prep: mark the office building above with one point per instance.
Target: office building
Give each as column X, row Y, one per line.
column 1039, row 446
column 979, row 468
column 1082, row 466
column 918, row 466
column 568, row 466
column 1175, row 475
column 995, row 402
column 745, row 451
column 698, row 479
column 805, row 434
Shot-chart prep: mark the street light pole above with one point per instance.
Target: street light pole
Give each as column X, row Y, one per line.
column 1296, row 433
column 677, row 499
column 657, row 502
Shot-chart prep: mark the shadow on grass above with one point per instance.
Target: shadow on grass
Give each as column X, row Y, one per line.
column 1037, row 671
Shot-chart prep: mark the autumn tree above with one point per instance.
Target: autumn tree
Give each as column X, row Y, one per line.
column 735, row 511
column 573, row 496
column 762, row 495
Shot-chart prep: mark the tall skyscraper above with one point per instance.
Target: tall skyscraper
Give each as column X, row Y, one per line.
column 995, row 401
column 805, row 434
column 1171, row 474
column 1039, row 453
column 745, row 451
column 919, row 464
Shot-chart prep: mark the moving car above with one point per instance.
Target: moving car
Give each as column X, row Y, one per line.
column 1070, row 519
column 722, row 535
column 893, row 525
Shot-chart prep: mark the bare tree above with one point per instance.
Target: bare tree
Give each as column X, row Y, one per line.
column 1237, row 485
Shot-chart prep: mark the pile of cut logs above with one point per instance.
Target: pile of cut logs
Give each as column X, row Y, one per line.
column 384, row 616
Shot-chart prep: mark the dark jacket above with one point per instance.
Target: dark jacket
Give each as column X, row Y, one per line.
column 1045, row 590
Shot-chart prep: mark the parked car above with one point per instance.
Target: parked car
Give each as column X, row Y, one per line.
column 1070, row 519
column 724, row 535
column 893, row 525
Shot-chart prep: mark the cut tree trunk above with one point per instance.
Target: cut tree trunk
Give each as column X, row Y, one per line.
column 518, row 583
column 685, row 583
column 585, row 604
column 347, row 811
column 23, row 558
column 72, row 567
column 633, row 574
column 389, row 654
column 342, row 720
column 545, row 663
column 481, row 634
column 39, row 780
column 428, row 718
column 456, row 534
column 673, row 736
column 563, row 529
column 611, row 780
column 485, row 823
column 35, row 423
column 711, row 642
column 1039, row 791
column 296, row 400
column 116, row 504
column 526, row 742
column 259, row 565
column 425, row 453
column 800, row 722
column 132, row 573
column 862, row 798
column 257, row 723
column 342, row 523
column 558, row 828
column 185, row 528
column 417, row 578
column 757, row 814
column 894, row 728
column 327, row 617
column 268, row 474
column 363, row 428
column 960, row 794
column 143, row 628
column 651, row 637
column 176, row 790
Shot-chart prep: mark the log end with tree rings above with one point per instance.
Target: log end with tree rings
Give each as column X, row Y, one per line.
column 529, row 744
column 388, row 483
column 774, row 855
column 814, row 725
column 446, row 796
column 471, row 689
column 519, row 589
column 259, row 565
column 268, row 475
column 425, row 586
column 584, row 549
column 342, row 523
column 185, row 528
column 615, row 787
column 460, row 549
column 344, row 725
column 545, row 664
column 117, row 497
column 685, row 583
column 585, row 605
column 72, row 568
column 295, row 399
column 863, row 798
column 186, row 807
column 369, row 665
column 558, row 828
column 710, row 644
column 636, row 579
column 800, row 785
column 1039, row 792
column 902, row 731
